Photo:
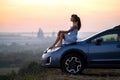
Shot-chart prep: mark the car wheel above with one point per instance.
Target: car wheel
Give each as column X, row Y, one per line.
column 73, row 64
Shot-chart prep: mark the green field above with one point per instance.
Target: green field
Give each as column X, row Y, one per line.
column 4, row 71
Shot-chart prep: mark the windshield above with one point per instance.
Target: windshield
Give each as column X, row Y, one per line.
column 91, row 36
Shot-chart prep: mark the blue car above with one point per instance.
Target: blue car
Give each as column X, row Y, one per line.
column 99, row 51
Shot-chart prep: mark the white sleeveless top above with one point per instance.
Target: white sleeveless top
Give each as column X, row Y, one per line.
column 71, row 37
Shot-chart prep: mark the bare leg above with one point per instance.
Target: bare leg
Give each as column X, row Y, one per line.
column 61, row 39
column 56, row 41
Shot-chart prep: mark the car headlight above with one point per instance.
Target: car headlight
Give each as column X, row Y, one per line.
column 51, row 50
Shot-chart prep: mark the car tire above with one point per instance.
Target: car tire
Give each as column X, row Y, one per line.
column 72, row 64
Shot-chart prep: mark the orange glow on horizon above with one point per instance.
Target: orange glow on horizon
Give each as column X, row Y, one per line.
column 54, row 15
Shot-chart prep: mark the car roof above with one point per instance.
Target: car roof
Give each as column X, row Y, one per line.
column 116, row 27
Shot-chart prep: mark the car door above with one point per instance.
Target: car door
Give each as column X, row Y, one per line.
column 107, row 51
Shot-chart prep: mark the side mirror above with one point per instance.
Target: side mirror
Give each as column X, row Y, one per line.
column 98, row 41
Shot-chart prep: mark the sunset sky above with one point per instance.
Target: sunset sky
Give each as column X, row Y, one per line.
column 54, row 15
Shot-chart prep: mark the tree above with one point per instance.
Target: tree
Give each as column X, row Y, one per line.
column 40, row 33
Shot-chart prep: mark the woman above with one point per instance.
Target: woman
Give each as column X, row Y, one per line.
column 69, row 36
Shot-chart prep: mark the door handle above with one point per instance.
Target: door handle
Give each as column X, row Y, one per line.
column 118, row 46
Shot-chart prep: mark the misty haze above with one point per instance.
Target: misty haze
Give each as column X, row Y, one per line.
column 15, row 47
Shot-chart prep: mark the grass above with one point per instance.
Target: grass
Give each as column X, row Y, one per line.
column 4, row 71
column 36, row 72
column 88, row 74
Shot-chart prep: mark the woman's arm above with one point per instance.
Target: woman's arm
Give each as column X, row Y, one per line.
column 67, row 31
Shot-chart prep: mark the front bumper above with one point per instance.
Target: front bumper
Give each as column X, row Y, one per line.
column 50, row 60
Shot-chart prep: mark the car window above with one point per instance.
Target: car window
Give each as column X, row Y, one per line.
column 119, row 37
column 108, row 38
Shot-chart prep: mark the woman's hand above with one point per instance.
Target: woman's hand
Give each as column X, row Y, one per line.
column 67, row 31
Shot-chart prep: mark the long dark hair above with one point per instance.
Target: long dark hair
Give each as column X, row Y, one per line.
column 77, row 19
